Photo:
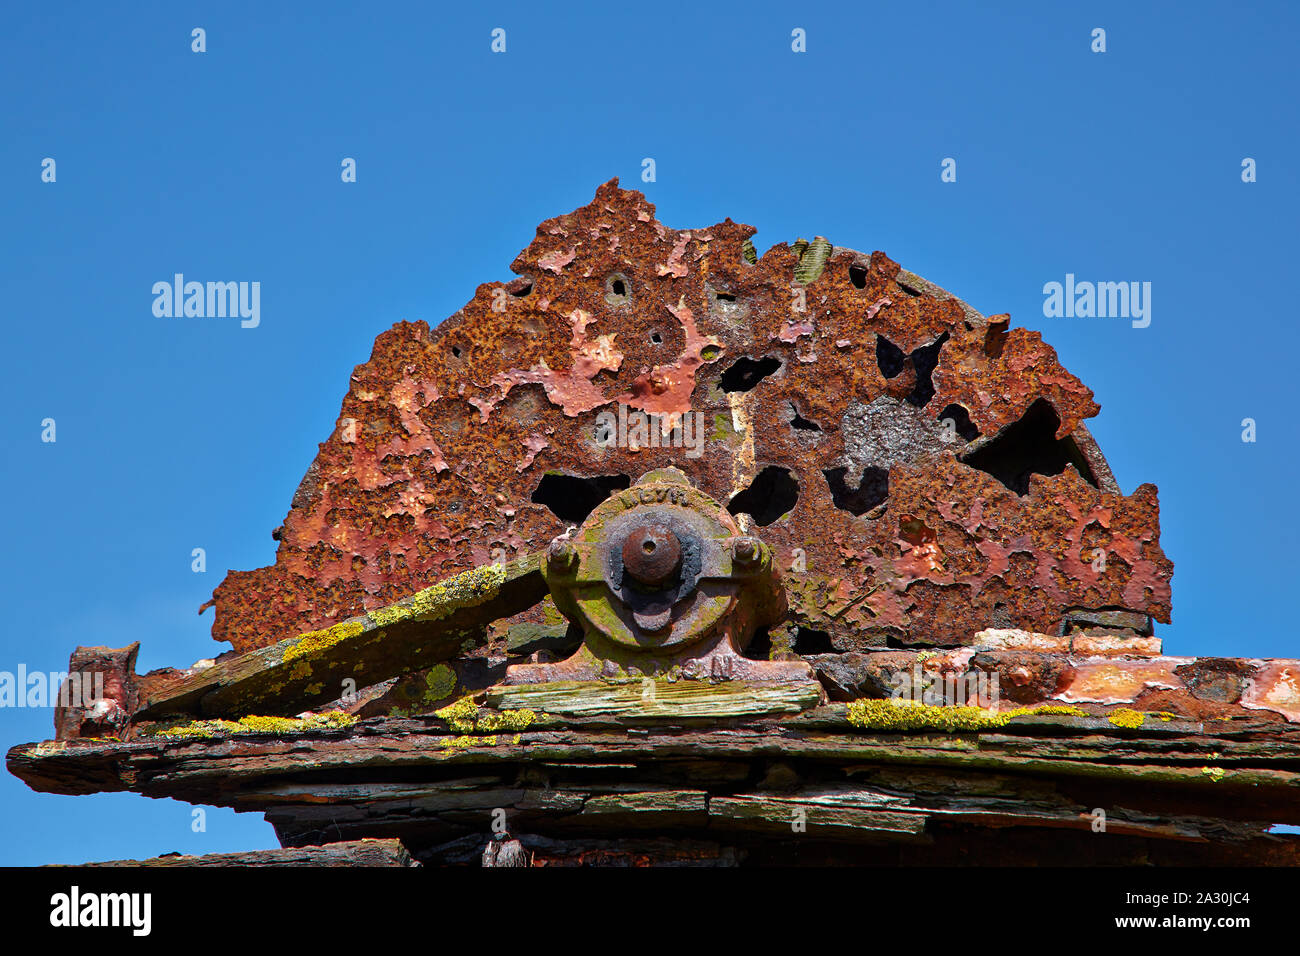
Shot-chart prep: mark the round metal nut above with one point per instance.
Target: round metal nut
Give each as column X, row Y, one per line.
column 746, row 550
column 561, row 554
column 652, row 554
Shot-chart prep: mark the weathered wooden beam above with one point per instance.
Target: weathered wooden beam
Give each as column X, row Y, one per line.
column 843, row 812
column 658, row 699
column 426, row 628
column 344, row 853
column 1239, row 772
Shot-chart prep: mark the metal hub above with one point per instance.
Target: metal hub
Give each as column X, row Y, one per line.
column 652, row 554
column 663, row 583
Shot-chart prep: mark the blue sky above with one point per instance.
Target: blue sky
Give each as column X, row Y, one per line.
column 174, row 434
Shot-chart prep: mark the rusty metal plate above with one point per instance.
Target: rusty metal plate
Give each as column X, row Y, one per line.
column 921, row 471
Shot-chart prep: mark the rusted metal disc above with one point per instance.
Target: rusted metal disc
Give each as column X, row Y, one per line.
column 652, row 554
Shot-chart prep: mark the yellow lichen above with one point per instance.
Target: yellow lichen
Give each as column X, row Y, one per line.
column 1053, row 710
column 256, row 724
column 313, row 642
column 439, row 600
column 1214, row 773
column 466, row 717
column 440, row 682
column 300, row 670
column 460, row 715
column 1129, row 719
column 914, row 715
column 505, row 720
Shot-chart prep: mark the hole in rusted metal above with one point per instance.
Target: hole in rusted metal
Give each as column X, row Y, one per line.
column 808, row 640
column 872, row 490
column 1029, row 446
column 745, row 373
column 771, row 494
column 801, row 423
column 889, row 357
column 858, row 276
column 914, row 293
column 759, row 647
column 455, row 350
column 924, row 361
column 571, row 498
column 656, row 338
column 995, row 338
column 960, row 418
column 618, row 289
column 724, row 297
column 520, row 287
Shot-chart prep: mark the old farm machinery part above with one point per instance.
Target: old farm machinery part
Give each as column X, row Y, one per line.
column 475, row 605
column 660, row 580
column 663, row 584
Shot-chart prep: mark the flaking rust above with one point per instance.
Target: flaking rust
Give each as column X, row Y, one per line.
column 921, row 471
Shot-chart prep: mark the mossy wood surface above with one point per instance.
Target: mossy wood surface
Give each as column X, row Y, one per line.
column 345, row 853
column 655, row 699
column 429, row 627
column 1259, row 758
column 583, row 787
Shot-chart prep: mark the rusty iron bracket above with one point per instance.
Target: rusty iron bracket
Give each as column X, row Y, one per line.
column 663, row 584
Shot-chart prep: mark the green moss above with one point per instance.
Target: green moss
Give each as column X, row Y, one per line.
column 314, row 642
column 721, row 427
column 437, row 601
column 550, row 613
column 254, row 724
column 812, row 260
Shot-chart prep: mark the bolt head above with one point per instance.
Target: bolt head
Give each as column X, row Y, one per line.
column 561, row 555
column 746, row 550
column 652, row 554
